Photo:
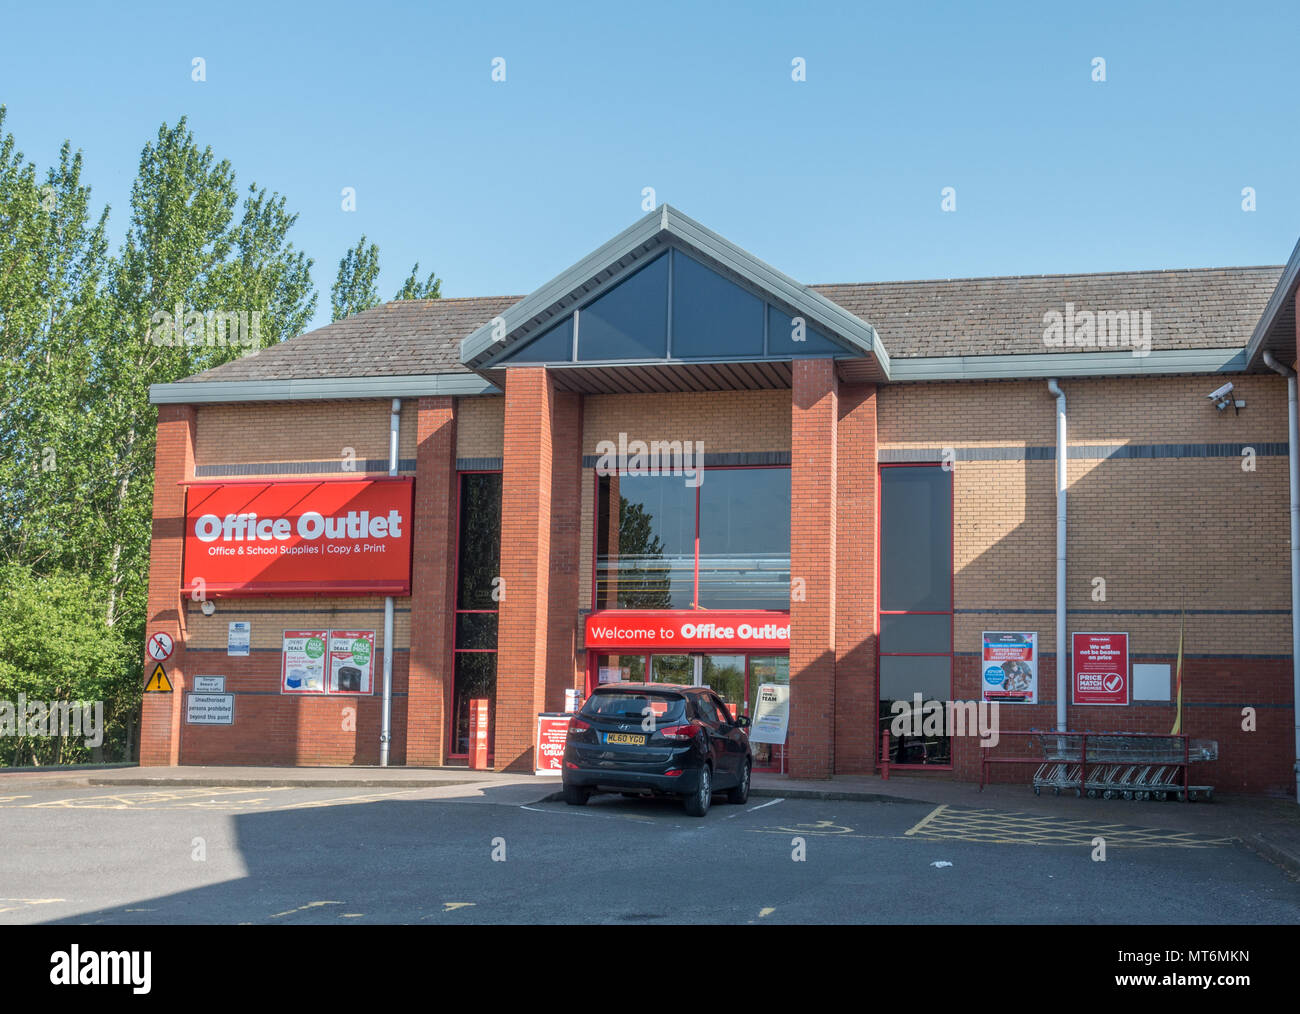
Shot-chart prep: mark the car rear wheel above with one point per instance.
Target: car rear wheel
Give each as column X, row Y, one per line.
column 576, row 795
column 697, row 803
column 740, row 794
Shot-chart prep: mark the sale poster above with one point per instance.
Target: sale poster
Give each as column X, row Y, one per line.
column 302, row 668
column 1101, row 669
column 352, row 655
column 1009, row 666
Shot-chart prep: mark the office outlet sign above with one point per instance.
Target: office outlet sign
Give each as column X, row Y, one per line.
column 293, row 538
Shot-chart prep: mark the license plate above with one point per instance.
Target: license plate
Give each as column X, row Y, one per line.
column 625, row 737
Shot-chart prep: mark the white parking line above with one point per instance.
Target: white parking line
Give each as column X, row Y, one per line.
column 761, row 805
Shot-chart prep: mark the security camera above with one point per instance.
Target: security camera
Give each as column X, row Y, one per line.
column 1221, row 393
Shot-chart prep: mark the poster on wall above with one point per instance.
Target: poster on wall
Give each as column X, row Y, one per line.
column 1009, row 666
column 771, row 714
column 352, row 655
column 1101, row 672
column 302, row 667
column 238, row 638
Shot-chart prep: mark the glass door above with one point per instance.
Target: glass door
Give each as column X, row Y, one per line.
column 725, row 676
column 672, row 669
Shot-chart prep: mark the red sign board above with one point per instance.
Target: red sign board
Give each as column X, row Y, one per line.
column 291, row 538
column 689, row 630
column 1101, row 670
column 552, row 731
column 478, row 733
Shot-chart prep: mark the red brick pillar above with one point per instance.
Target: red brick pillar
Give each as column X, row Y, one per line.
column 526, row 489
column 562, row 670
column 855, row 594
column 813, row 557
column 160, row 722
column 433, row 595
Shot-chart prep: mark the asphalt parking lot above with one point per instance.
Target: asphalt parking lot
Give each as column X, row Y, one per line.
column 285, row 855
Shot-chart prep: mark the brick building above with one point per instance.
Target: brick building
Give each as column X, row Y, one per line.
column 674, row 462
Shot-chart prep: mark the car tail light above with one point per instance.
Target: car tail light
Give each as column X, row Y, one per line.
column 681, row 732
column 570, row 764
column 578, row 725
column 674, row 773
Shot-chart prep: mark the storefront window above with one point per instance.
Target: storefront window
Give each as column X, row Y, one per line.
column 915, row 604
column 478, row 565
column 658, row 539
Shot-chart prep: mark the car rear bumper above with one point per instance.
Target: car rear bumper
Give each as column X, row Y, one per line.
column 621, row 779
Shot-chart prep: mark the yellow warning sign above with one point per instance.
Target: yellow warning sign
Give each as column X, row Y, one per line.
column 158, row 682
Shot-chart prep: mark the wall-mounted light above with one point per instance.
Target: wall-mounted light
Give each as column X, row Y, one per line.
column 209, row 607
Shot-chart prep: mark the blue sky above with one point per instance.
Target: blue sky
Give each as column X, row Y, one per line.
column 501, row 185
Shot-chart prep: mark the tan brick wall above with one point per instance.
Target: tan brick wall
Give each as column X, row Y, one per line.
column 300, row 431
column 1153, row 528
column 727, row 422
column 480, row 426
column 271, row 616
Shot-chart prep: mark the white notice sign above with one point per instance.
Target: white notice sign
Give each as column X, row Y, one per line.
column 209, row 685
column 237, row 640
column 209, row 709
column 771, row 714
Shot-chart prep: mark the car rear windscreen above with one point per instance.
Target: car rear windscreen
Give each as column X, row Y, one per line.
column 629, row 705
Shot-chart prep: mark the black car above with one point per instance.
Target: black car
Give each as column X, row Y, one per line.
column 658, row 738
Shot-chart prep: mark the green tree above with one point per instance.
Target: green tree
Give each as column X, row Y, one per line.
column 413, row 288
column 355, row 289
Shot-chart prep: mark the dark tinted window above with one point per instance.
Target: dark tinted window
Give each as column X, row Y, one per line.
column 480, row 540
column 916, row 539
column 711, row 316
column 919, row 632
column 745, row 538
column 628, row 705
column 630, row 321
column 705, row 709
column 553, row 346
column 645, row 542
column 781, row 337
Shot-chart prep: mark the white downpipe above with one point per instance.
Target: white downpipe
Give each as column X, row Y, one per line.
column 1293, row 471
column 385, row 729
column 1062, row 460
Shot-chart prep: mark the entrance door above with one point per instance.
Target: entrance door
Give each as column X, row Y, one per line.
column 725, row 675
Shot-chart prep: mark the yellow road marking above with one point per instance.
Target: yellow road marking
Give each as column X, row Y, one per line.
column 451, row 906
column 764, row 912
column 926, row 819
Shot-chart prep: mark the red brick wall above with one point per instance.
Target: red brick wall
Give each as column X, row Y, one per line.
column 562, row 665
column 813, row 557
column 526, row 488
column 173, row 463
column 855, row 568
column 1214, row 693
column 434, row 548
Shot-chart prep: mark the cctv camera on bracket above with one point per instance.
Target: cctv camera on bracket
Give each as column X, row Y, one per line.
column 1222, row 398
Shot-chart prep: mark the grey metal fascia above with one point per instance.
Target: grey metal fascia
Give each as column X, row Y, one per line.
column 665, row 219
column 1068, row 364
column 319, row 388
column 1286, row 286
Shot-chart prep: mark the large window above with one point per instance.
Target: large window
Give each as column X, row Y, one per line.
column 915, row 601
column 478, row 567
column 721, row 544
column 675, row 307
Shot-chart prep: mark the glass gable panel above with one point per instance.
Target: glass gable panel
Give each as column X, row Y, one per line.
column 553, row 346
column 781, row 337
column 630, row 321
column 711, row 316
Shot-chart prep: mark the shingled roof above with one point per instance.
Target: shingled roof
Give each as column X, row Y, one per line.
column 1199, row 308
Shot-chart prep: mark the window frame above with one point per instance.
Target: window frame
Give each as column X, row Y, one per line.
column 950, row 613
column 695, row 593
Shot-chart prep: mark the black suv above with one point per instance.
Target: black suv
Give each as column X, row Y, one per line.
column 658, row 738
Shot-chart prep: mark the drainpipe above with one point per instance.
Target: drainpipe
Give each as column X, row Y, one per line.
column 1062, row 460
column 1293, row 471
column 385, row 733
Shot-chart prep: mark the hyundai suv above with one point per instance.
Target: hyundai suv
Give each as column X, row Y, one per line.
column 657, row 738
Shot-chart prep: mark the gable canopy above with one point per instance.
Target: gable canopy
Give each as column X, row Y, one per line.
column 669, row 305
